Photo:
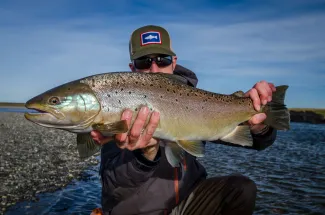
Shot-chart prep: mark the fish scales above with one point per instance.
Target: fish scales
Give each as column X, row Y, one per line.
column 184, row 110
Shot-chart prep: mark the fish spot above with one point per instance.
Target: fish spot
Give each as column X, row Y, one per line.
column 186, row 107
column 119, row 101
column 161, row 96
column 121, row 89
column 174, row 91
column 130, row 92
column 151, row 85
column 188, row 94
column 108, row 95
column 136, row 109
column 117, row 83
column 93, row 82
column 145, row 96
column 167, row 90
column 136, row 82
column 177, row 100
column 69, row 88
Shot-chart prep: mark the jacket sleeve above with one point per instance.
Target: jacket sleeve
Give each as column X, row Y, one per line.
column 260, row 141
column 124, row 167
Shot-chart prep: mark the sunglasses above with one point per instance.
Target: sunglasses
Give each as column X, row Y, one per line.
column 146, row 61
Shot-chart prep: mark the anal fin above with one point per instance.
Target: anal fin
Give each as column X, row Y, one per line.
column 86, row 145
column 195, row 148
column 174, row 153
column 241, row 135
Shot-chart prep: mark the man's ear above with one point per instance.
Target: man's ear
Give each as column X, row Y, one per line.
column 174, row 59
column 132, row 67
column 174, row 62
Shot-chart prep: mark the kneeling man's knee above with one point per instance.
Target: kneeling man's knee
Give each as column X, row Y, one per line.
column 244, row 185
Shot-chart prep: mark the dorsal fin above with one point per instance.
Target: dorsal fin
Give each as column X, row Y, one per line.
column 238, row 94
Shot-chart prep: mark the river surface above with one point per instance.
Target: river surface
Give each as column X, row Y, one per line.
column 290, row 176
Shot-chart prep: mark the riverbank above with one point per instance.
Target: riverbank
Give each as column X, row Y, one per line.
column 35, row 159
column 307, row 115
column 11, row 105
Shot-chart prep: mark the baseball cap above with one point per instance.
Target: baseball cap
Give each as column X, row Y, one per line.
column 149, row 39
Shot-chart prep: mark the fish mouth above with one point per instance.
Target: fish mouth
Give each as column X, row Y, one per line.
column 39, row 113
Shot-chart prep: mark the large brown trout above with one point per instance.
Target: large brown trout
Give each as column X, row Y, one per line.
column 188, row 115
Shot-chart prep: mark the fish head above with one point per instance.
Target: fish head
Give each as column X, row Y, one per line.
column 72, row 106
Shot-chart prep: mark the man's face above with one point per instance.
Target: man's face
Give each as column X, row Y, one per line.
column 154, row 63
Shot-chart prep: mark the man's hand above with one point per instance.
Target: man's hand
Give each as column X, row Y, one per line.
column 261, row 93
column 140, row 135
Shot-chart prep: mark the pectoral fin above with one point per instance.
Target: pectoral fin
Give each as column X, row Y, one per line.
column 111, row 128
column 195, row 148
column 241, row 135
column 174, row 154
column 86, row 145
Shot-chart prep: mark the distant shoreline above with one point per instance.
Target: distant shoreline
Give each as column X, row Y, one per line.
column 11, row 105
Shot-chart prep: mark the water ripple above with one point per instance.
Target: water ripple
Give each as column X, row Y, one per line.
column 290, row 176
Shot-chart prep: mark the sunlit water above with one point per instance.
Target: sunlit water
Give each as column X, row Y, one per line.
column 290, row 176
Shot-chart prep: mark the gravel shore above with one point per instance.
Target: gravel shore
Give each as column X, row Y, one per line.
column 35, row 159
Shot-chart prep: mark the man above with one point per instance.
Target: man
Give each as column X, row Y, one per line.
column 136, row 176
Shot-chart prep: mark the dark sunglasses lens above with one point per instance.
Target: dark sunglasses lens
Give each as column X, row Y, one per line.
column 142, row 63
column 164, row 61
column 145, row 62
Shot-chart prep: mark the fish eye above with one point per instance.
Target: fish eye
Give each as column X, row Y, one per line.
column 54, row 100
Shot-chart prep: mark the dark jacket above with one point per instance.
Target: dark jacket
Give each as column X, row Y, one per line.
column 131, row 184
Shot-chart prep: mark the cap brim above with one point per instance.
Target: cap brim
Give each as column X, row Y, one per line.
column 152, row 50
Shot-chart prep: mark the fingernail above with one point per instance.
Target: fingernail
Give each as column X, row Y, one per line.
column 144, row 109
column 260, row 117
column 264, row 102
column 269, row 98
column 127, row 114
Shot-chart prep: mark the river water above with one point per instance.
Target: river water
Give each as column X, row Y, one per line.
column 290, row 176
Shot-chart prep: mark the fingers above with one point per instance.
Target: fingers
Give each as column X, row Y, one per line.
column 265, row 91
column 138, row 125
column 261, row 93
column 253, row 94
column 257, row 119
column 140, row 135
column 150, row 130
column 143, row 139
column 122, row 139
column 272, row 87
column 99, row 138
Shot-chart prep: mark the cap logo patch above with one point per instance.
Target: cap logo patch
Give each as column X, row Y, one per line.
column 150, row 37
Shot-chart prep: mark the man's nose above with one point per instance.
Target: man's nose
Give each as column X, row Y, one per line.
column 154, row 67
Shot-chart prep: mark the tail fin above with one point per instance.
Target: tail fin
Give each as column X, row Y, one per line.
column 278, row 116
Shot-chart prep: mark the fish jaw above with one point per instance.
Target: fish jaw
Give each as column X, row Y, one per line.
column 44, row 116
column 42, row 119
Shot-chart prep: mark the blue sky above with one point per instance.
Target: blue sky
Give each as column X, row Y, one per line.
column 230, row 45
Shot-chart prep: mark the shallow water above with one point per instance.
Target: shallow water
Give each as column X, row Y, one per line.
column 290, row 176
